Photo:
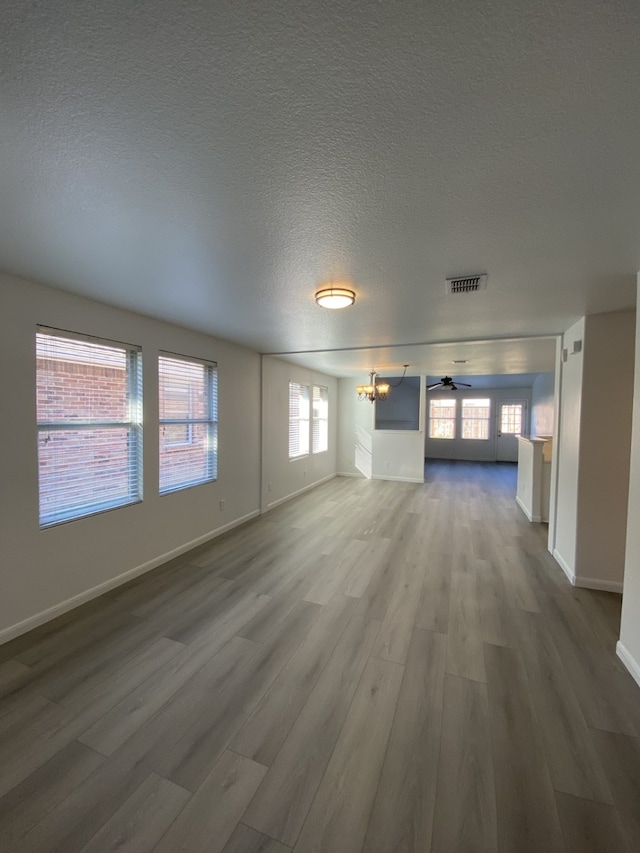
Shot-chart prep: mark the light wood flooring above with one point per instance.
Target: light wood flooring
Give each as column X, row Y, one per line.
column 375, row 666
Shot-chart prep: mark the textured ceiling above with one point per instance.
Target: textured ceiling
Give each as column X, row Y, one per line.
column 213, row 163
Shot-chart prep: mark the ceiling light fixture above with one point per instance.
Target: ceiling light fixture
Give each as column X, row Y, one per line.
column 378, row 391
column 335, row 297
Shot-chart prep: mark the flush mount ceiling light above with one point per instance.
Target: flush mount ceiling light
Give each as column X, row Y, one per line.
column 335, row 297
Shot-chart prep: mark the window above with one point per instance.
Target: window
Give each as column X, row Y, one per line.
column 298, row 420
column 89, row 415
column 188, row 398
column 475, row 418
column 320, row 425
column 442, row 418
column 511, row 418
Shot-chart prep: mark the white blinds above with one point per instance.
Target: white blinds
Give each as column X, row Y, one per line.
column 320, row 423
column 89, row 416
column 298, row 420
column 188, row 397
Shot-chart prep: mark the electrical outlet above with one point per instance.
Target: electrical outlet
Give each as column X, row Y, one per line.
column 222, row 503
column 386, row 465
column 304, row 473
column 269, row 487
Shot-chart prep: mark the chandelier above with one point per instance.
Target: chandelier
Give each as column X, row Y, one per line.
column 377, row 391
column 372, row 391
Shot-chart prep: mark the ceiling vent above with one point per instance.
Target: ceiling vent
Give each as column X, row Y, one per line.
column 466, row 284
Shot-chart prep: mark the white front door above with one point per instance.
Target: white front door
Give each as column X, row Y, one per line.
column 512, row 422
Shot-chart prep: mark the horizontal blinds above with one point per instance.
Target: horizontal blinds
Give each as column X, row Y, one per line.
column 320, row 423
column 89, row 416
column 188, row 403
column 298, row 420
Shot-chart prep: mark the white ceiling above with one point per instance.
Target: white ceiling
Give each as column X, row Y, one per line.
column 481, row 358
column 213, row 163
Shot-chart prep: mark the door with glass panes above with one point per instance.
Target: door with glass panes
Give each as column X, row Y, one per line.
column 512, row 422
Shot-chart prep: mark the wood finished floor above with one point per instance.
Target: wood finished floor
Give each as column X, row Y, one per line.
column 375, row 666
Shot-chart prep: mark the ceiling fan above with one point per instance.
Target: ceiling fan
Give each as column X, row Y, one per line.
column 447, row 384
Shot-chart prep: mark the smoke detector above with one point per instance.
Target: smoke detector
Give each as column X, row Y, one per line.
column 466, row 283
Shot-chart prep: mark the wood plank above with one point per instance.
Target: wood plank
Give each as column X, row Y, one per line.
column 150, row 743
column 520, row 590
column 141, row 821
column 285, row 795
column 266, row 729
column 589, row 827
column 433, row 607
column 465, row 808
column 338, row 818
column 464, row 636
column 107, row 687
column 121, row 721
column 570, row 754
column 189, row 761
column 247, row 840
column 278, row 608
column 28, row 803
column 526, row 808
column 497, row 617
column 620, row 756
column 394, row 636
column 334, row 573
column 26, row 748
column 210, row 816
column 14, row 676
column 77, row 818
column 365, row 567
column 607, row 697
column 402, row 815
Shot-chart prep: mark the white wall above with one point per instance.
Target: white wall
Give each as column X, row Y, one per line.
column 568, row 448
column 282, row 478
column 605, row 447
column 47, row 571
column 593, row 450
column 382, row 454
column 629, row 645
column 543, row 405
column 355, row 432
column 469, row 449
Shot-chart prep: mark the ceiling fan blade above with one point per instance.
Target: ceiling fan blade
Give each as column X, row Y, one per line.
column 466, row 384
column 437, row 385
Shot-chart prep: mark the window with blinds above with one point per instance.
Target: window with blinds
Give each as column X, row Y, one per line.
column 298, row 420
column 89, row 418
column 475, row 418
column 188, row 398
column 320, row 421
column 442, row 418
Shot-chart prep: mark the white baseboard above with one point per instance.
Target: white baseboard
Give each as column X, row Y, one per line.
column 535, row 518
column 586, row 583
column 564, row 566
column 596, row 583
column 398, row 479
column 350, row 474
column 301, row 491
column 629, row 661
column 50, row 613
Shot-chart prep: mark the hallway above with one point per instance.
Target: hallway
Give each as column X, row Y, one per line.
column 374, row 666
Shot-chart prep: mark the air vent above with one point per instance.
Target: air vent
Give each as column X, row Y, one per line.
column 466, row 284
